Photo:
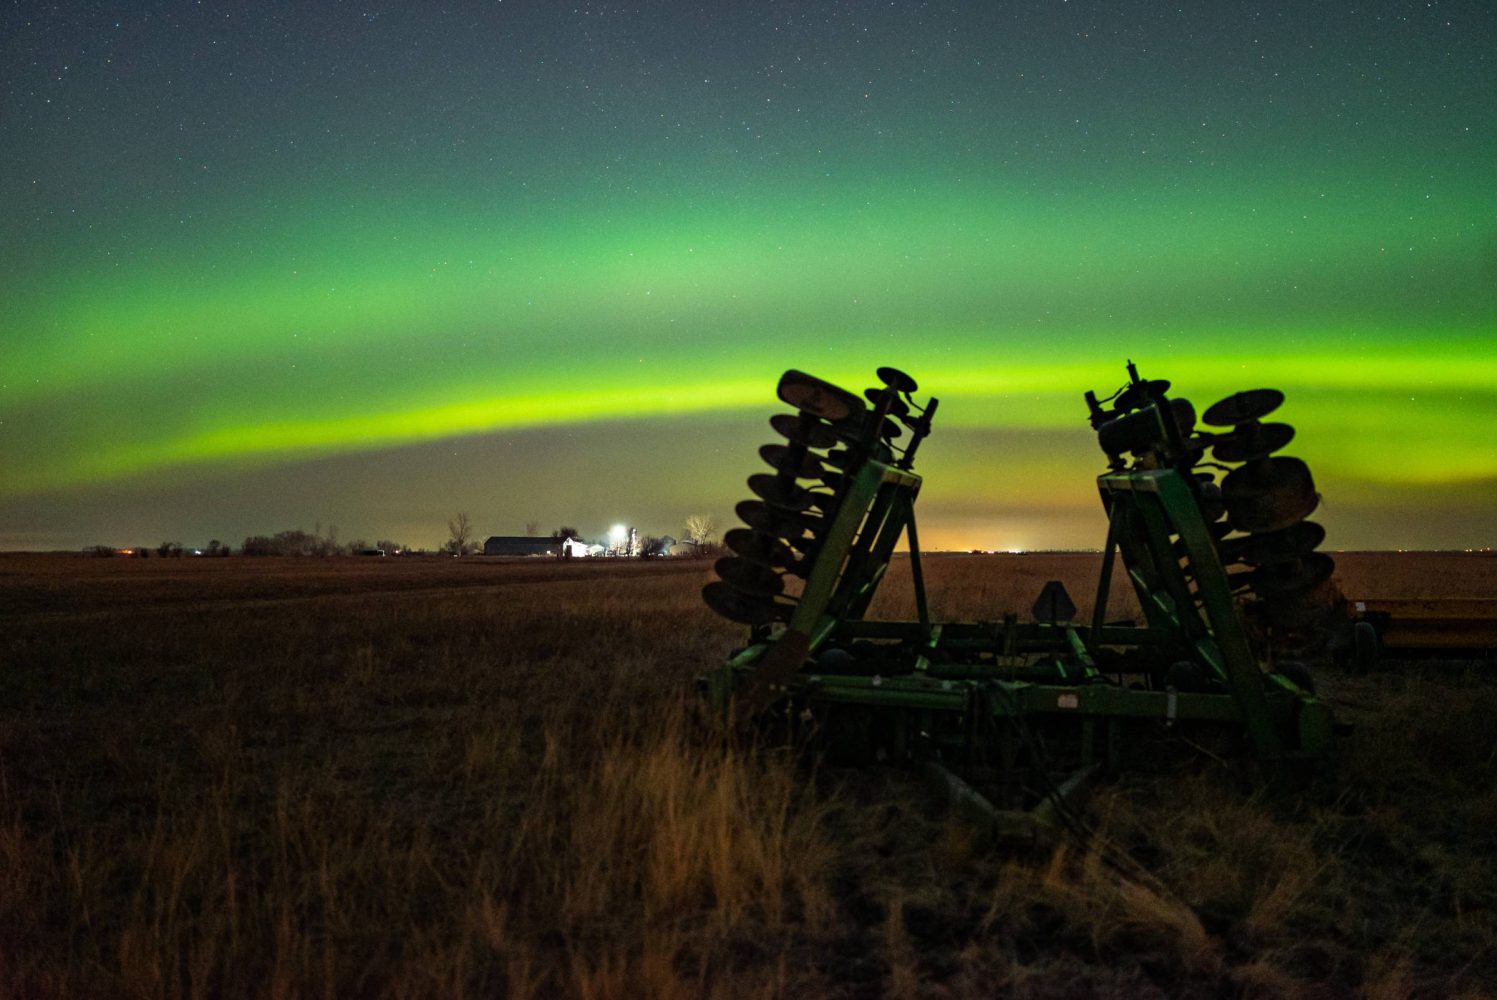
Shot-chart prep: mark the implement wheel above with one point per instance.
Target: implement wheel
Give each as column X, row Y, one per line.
column 1366, row 648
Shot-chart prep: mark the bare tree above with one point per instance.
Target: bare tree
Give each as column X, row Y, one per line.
column 460, row 535
column 532, row 528
column 700, row 528
column 564, row 532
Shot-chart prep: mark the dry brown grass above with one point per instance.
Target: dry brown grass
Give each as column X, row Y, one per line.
column 451, row 777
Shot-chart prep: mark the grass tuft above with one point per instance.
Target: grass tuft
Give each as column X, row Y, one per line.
column 265, row 778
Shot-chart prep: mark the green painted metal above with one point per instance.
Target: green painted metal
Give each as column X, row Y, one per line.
column 1192, row 601
column 963, row 694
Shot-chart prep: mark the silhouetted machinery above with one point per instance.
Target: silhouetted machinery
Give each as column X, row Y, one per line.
column 1031, row 712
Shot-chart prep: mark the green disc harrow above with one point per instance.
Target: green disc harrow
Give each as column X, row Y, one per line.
column 1209, row 525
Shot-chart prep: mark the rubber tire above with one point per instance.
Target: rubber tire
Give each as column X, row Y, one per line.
column 1366, row 648
column 1185, row 676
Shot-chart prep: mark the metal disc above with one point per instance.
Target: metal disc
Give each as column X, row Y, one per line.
column 897, row 380
column 1284, row 545
column 803, row 429
column 1240, row 407
column 897, row 406
column 739, row 607
column 810, row 394
column 759, row 547
column 1252, row 441
column 777, row 493
column 790, row 500
column 850, row 431
column 797, row 567
column 749, row 577
column 890, row 430
column 920, row 425
column 1274, row 474
column 1140, row 393
column 1296, row 576
column 1269, row 494
column 783, row 458
column 782, row 523
column 1271, row 511
column 1211, row 502
column 841, row 458
column 822, row 503
column 794, row 568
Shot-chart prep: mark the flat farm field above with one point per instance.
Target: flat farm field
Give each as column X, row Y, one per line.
column 443, row 777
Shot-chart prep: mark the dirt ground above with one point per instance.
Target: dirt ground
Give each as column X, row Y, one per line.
column 436, row 777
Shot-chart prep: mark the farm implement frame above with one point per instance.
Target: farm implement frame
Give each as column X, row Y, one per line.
column 1016, row 719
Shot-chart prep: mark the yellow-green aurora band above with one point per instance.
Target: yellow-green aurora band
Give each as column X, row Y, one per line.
column 244, row 253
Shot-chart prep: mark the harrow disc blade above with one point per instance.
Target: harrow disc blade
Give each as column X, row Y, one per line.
column 1240, row 407
column 890, row 430
column 1274, row 474
column 1212, row 504
column 784, row 524
column 759, row 547
column 743, row 608
column 749, row 577
column 1284, row 545
column 897, row 380
column 783, row 458
column 804, row 430
column 810, row 394
column 897, row 406
column 1298, row 576
column 797, row 567
column 919, row 425
column 1252, row 441
column 1141, row 393
column 777, row 493
column 1184, row 412
column 1269, row 494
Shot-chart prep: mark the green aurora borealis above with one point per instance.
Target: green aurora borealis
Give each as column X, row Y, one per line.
column 372, row 266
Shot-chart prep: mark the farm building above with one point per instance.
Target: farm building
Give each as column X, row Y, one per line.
column 528, row 545
column 521, row 545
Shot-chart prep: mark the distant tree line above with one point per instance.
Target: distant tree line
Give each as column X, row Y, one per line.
column 700, row 538
column 297, row 542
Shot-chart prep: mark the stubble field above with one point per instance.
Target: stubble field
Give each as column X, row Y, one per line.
column 437, row 777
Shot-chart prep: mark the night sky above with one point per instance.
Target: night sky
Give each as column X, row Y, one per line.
column 282, row 264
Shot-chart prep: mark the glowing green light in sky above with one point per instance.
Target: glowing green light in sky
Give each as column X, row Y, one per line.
column 644, row 232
